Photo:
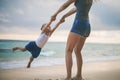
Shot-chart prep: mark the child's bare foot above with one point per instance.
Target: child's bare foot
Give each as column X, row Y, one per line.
column 15, row 48
column 28, row 66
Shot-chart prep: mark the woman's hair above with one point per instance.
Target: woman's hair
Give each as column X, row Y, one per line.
column 43, row 25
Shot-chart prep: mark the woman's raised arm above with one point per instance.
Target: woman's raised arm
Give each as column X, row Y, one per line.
column 63, row 7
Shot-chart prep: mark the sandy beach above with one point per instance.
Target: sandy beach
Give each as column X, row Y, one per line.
column 99, row 70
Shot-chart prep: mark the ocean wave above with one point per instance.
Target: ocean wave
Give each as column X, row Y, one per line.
column 12, row 64
column 49, row 62
column 36, row 63
column 5, row 50
column 47, row 53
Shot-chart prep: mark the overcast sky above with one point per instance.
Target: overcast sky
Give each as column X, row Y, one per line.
column 27, row 16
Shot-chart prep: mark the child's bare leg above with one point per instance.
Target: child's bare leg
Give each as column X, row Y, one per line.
column 19, row 48
column 29, row 63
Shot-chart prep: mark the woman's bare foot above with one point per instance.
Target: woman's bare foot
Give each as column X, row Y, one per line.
column 77, row 78
column 67, row 79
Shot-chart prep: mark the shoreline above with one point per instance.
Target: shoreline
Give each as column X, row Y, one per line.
column 45, row 62
column 22, row 40
column 6, row 65
column 96, row 70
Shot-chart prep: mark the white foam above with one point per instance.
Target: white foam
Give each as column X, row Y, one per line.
column 49, row 62
column 47, row 53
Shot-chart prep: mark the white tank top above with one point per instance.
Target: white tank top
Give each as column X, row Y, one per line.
column 41, row 40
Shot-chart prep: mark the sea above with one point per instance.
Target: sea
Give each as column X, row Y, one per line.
column 53, row 53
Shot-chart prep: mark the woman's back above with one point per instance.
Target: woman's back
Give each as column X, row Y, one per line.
column 83, row 7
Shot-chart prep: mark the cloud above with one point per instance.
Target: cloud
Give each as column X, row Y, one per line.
column 18, row 30
column 114, row 4
column 103, row 37
column 3, row 18
column 27, row 16
column 106, row 15
column 20, row 11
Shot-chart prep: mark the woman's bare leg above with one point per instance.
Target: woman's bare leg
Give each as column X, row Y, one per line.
column 30, row 61
column 71, row 42
column 19, row 48
column 77, row 49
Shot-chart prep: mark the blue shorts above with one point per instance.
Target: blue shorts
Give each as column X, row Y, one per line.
column 33, row 49
column 81, row 27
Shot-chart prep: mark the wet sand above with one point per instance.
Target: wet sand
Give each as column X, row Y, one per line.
column 99, row 70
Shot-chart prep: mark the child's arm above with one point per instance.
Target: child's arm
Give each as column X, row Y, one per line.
column 56, row 26
column 46, row 26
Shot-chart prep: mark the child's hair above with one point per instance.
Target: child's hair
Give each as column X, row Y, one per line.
column 43, row 26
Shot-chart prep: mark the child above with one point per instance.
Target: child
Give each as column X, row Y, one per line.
column 34, row 47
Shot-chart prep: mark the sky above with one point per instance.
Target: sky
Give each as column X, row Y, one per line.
column 22, row 19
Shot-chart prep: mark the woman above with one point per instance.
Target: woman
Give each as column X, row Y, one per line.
column 77, row 36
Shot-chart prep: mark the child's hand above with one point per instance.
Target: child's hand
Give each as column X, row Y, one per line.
column 62, row 19
column 53, row 17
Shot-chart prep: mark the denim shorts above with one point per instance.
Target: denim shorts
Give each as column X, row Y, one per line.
column 81, row 27
column 33, row 49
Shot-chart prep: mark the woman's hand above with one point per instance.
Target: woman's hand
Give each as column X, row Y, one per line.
column 62, row 19
column 63, row 7
column 53, row 18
